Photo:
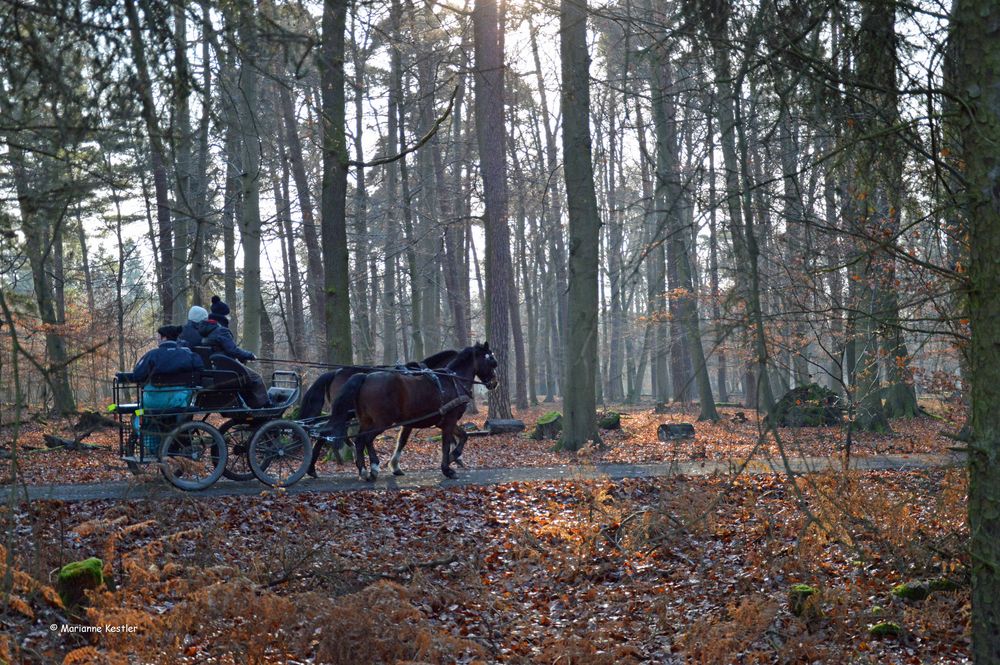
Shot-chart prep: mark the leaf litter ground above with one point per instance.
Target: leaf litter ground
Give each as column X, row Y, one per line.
column 666, row 571
column 670, row 570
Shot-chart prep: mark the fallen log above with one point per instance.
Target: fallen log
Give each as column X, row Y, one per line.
column 504, row 426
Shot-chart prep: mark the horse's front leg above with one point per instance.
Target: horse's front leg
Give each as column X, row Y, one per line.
column 404, row 436
column 456, row 454
column 372, row 457
column 447, row 439
column 359, row 457
column 316, row 453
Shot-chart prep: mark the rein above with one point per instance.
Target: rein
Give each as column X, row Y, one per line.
column 374, row 368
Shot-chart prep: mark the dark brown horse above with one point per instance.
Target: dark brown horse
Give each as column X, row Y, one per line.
column 327, row 386
column 386, row 399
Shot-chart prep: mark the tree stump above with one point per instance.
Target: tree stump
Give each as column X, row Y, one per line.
column 610, row 420
column 75, row 578
column 674, row 431
column 549, row 426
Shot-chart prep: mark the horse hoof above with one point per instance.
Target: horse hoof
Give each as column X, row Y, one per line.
column 371, row 477
column 398, row 472
column 449, row 473
column 459, row 463
column 312, row 473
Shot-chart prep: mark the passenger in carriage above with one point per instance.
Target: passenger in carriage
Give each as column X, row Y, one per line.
column 203, row 329
column 170, row 357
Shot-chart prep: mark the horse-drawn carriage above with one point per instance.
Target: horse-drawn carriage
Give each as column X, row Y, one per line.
column 198, row 427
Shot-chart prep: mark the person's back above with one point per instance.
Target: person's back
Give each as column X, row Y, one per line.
column 169, row 358
column 201, row 330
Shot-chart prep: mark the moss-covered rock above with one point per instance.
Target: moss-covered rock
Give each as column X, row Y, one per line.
column 810, row 405
column 75, row 578
column 943, row 584
column 548, row 426
column 610, row 420
column 885, row 629
column 913, row 591
column 798, row 596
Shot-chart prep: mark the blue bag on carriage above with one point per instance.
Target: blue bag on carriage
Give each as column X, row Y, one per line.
column 150, row 439
column 166, row 397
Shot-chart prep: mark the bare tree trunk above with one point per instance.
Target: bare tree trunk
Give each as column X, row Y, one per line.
column 157, row 161
column 366, row 340
column 88, row 280
column 490, row 132
column 296, row 334
column 41, row 224
column 250, row 181
column 455, row 284
column 314, row 260
column 554, row 218
column 718, row 336
column 201, row 172
column 584, row 228
column 183, row 158
column 334, row 219
column 615, row 240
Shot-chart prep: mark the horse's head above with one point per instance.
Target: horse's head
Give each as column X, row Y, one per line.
column 486, row 365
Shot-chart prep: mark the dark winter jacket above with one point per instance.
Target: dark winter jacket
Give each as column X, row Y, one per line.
column 210, row 333
column 169, row 358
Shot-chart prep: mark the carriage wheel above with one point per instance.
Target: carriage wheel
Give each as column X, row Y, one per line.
column 193, row 456
column 237, row 434
column 280, row 452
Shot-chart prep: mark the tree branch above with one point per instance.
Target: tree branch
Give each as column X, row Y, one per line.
column 424, row 139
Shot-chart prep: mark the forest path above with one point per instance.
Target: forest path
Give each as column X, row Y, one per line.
column 152, row 486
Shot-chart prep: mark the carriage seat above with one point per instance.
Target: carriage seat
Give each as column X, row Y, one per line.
column 187, row 379
column 205, row 353
column 281, row 396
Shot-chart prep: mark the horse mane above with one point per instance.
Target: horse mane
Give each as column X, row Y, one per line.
column 440, row 358
column 463, row 356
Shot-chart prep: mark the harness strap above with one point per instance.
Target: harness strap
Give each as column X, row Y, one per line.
column 461, row 399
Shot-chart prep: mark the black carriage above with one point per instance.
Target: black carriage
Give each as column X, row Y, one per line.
column 175, row 421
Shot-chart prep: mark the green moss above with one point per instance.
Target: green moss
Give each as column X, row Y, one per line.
column 878, row 611
column 911, row 590
column 549, row 417
column 798, row 596
column 610, row 420
column 810, row 405
column 943, row 584
column 548, row 426
column 75, row 578
column 885, row 629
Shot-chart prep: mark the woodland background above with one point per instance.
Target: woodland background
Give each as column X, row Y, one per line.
column 637, row 202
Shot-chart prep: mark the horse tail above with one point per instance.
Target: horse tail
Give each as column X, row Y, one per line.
column 315, row 397
column 344, row 406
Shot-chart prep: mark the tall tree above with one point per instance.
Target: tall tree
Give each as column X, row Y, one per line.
column 335, row 160
column 250, row 177
column 157, row 158
column 977, row 85
column 584, row 229
column 490, row 132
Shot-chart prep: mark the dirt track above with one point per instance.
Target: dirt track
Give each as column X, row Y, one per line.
column 153, row 486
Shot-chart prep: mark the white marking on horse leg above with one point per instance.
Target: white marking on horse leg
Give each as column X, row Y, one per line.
column 375, row 469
